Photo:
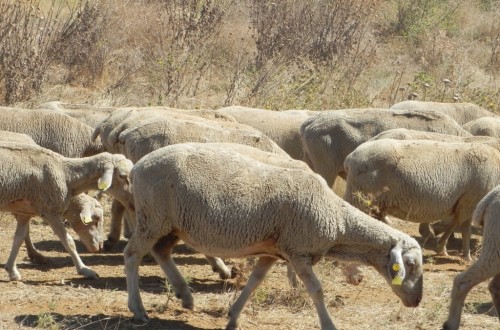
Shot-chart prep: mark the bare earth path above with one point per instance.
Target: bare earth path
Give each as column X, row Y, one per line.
column 53, row 296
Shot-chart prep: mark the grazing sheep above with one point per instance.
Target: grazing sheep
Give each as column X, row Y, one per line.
column 37, row 181
column 84, row 214
column 85, row 217
column 484, row 126
column 329, row 137
column 49, row 129
column 461, row 112
column 423, row 181
column 486, row 215
column 283, row 127
column 257, row 204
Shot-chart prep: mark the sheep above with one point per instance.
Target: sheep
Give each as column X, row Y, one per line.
column 139, row 140
column 85, row 217
column 49, row 129
column 461, row 112
column 84, row 214
column 423, row 181
column 93, row 116
column 87, row 114
column 124, row 118
column 281, row 126
column 156, row 132
column 486, row 215
column 408, row 134
column 329, row 137
column 257, row 204
column 484, row 126
column 38, row 181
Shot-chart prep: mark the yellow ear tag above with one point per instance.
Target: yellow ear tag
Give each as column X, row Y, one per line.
column 102, row 185
column 397, row 280
column 396, row 267
column 87, row 219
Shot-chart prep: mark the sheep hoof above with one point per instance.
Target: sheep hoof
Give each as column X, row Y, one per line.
column 88, row 273
column 109, row 244
column 446, row 326
column 15, row 277
column 232, row 325
column 188, row 305
column 235, row 271
column 142, row 318
column 38, row 259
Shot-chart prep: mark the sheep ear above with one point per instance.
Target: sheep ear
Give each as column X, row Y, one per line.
column 105, row 180
column 396, row 266
column 86, row 217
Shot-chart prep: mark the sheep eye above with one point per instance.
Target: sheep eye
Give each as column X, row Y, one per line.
column 410, row 263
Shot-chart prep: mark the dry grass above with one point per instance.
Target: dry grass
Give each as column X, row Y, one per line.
column 278, row 55
column 54, row 297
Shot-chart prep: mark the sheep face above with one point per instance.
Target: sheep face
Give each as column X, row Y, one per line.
column 120, row 185
column 90, row 230
column 404, row 273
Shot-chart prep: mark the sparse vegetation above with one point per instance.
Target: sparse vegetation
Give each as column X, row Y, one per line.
column 286, row 54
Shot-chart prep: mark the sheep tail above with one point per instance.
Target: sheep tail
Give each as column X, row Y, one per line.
column 481, row 207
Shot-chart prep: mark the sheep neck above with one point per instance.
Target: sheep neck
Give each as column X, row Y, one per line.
column 82, row 173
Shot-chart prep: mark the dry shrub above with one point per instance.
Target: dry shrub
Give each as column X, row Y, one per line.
column 27, row 35
column 183, row 47
column 307, row 49
column 80, row 45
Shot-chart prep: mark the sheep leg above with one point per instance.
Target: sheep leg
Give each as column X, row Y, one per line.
column 128, row 225
column 260, row 270
column 303, row 268
column 117, row 211
column 425, row 231
column 218, row 266
column 441, row 243
column 466, row 234
column 462, row 284
column 19, row 235
column 162, row 252
column 69, row 244
column 494, row 288
column 292, row 277
column 133, row 253
column 33, row 253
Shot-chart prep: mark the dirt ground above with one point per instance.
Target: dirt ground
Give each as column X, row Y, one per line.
column 53, row 296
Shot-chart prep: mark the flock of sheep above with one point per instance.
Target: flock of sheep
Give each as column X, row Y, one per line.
column 242, row 182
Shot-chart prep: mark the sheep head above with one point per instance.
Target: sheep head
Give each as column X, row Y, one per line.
column 404, row 272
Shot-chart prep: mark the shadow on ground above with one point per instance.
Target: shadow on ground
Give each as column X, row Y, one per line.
column 88, row 322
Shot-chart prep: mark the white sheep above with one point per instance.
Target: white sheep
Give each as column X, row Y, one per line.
column 461, row 112
column 283, row 127
column 423, row 181
column 408, row 134
column 144, row 137
column 84, row 214
column 329, row 137
column 138, row 136
column 37, row 181
column 88, row 114
column 484, row 126
column 49, row 129
column 486, row 215
column 256, row 204
column 135, row 134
